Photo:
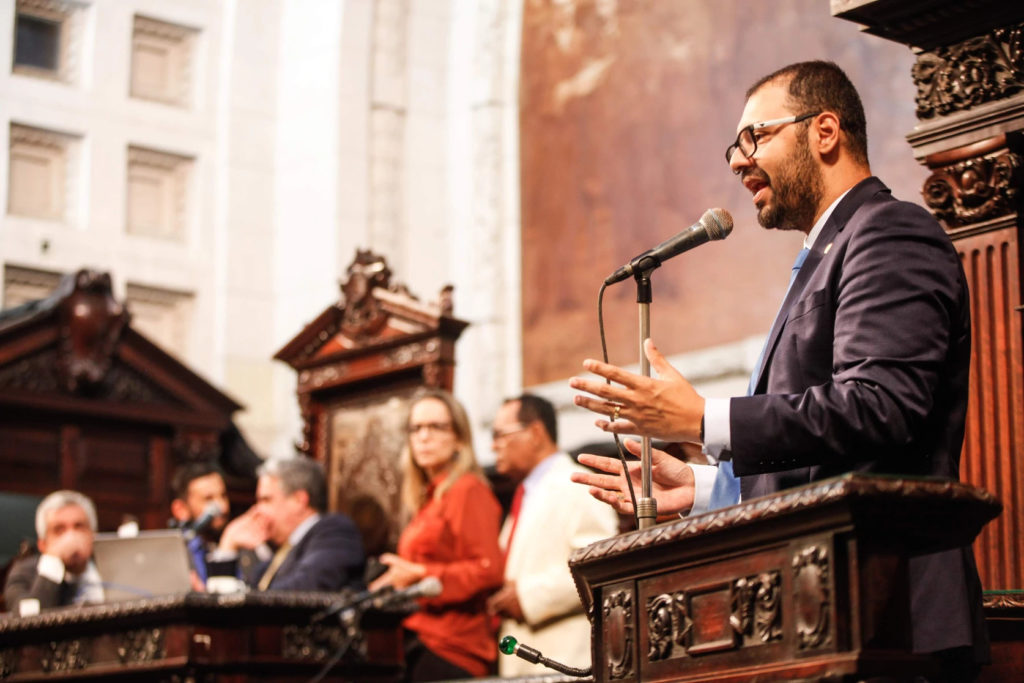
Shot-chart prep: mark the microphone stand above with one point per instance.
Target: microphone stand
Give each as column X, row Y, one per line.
column 647, row 506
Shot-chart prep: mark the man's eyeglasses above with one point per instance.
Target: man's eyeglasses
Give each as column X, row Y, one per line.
column 746, row 141
column 499, row 434
column 431, row 427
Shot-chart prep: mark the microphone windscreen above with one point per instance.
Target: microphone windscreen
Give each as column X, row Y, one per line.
column 717, row 223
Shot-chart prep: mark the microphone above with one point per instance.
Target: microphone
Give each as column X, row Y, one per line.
column 385, row 596
column 210, row 512
column 715, row 224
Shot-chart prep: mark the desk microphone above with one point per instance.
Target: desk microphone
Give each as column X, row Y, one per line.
column 385, row 596
column 510, row 646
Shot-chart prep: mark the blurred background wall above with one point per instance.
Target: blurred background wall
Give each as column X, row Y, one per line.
column 224, row 159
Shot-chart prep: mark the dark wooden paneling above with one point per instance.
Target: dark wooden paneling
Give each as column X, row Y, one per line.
column 30, row 455
column 995, row 423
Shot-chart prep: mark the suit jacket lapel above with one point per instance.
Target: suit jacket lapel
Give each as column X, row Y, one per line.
column 840, row 215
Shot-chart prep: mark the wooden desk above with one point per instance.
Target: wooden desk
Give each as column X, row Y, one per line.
column 199, row 637
column 808, row 584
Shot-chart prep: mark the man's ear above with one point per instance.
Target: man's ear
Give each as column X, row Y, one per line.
column 180, row 511
column 41, row 544
column 826, row 124
column 302, row 496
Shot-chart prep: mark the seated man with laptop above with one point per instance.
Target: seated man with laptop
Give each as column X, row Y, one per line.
column 63, row 573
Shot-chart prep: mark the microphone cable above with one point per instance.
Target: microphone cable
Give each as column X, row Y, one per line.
column 510, row 646
column 618, row 443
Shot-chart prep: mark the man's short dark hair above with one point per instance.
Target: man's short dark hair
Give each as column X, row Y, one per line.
column 533, row 407
column 188, row 473
column 822, row 86
column 299, row 474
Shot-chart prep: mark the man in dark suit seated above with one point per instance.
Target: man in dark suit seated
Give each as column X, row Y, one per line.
column 314, row 550
column 63, row 573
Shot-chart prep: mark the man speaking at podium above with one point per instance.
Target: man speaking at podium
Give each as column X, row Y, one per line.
column 865, row 368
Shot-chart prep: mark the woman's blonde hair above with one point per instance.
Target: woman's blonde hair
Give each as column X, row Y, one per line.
column 414, row 480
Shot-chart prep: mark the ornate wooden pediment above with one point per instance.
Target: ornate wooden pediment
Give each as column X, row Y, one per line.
column 377, row 327
column 87, row 402
column 76, row 351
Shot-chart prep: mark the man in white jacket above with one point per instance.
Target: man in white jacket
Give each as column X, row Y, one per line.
column 550, row 517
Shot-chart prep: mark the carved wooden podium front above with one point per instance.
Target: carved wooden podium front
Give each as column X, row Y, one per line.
column 358, row 364
column 808, row 584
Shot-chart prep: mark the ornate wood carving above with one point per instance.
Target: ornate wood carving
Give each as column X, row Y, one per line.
column 141, row 645
column 975, row 189
column 65, row 655
column 978, row 70
column 91, row 321
column 1005, row 600
column 317, row 642
column 617, row 611
column 756, row 607
column 849, row 487
column 812, row 597
column 667, row 624
column 97, row 402
column 357, row 365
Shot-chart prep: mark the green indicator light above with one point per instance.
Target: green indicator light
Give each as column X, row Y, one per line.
column 508, row 645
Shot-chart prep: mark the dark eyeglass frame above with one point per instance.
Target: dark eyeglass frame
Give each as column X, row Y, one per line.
column 730, row 151
column 431, row 427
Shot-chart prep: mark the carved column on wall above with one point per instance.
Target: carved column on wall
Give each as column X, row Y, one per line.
column 969, row 76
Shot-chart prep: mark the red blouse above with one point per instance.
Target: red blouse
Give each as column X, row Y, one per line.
column 456, row 538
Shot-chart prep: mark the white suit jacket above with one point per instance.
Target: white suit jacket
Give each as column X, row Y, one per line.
column 557, row 516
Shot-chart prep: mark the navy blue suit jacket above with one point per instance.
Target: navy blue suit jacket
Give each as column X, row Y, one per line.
column 866, row 369
column 328, row 558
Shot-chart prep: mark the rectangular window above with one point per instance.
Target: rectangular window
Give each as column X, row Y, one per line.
column 39, row 181
column 158, row 185
column 162, row 315
column 161, row 61
column 46, row 34
column 37, row 43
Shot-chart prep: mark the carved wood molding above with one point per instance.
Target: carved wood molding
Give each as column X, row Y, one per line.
column 65, row 655
column 617, row 616
column 141, row 645
column 317, row 642
column 975, row 190
column 753, row 604
column 849, row 486
column 757, row 610
column 812, row 596
column 981, row 69
column 1004, row 600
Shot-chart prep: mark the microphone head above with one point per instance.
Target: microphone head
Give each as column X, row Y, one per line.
column 717, row 223
column 430, row 587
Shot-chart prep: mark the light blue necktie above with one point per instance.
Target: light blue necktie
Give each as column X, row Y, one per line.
column 726, row 489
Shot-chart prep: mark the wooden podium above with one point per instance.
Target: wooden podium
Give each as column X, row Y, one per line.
column 267, row 636
column 808, row 584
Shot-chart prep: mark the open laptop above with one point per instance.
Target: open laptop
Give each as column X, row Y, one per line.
column 152, row 563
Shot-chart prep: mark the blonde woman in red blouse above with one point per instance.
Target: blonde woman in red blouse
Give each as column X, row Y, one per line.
column 453, row 536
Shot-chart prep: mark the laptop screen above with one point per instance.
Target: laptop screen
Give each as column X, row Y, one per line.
column 152, row 563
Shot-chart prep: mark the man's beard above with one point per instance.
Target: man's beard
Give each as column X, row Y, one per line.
column 797, row 191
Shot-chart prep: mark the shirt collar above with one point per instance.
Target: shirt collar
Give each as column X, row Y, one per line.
column 298, row 532
column 816, row 230
column 537, row 473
